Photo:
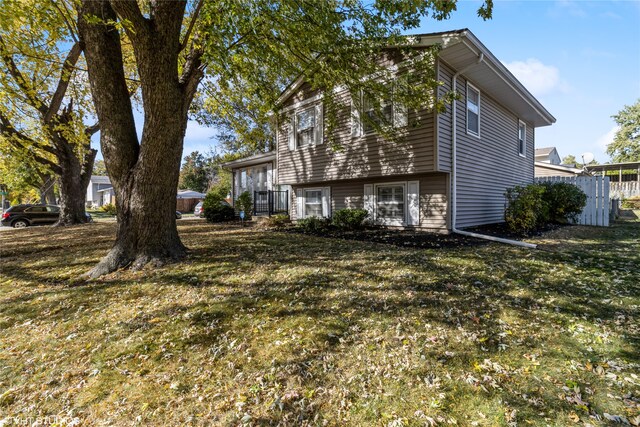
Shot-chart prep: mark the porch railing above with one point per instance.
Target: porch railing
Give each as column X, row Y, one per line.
column 270, row 202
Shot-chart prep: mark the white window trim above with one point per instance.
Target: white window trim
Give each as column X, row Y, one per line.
column 304, row 201
column 313, row 132
column 470, row 132
column 298, row 105
column 524, row 139
column 318, row 129
column 325, row 204
column 377, row 219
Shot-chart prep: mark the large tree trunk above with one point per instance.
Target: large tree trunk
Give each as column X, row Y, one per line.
column 146, row 212
column 73, row 182
column 146, row 202
column 145, row 174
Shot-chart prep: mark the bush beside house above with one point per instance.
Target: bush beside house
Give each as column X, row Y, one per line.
column 349, row 219
column 244, row 202
column 216, row 209
column 537, row 205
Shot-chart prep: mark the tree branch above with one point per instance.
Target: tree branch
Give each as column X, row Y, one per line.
column 103, row 53
column 73, row 31
column 12, row 134
column 63, row 83
column 192, row 74
column 20, row 80
column 130, row 11
column 55, row 168
column 192, row 23
column 91, row 130
column 22, row 145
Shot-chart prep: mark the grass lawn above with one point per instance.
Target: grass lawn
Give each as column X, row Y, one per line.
column 272, row 328
column 98, row 214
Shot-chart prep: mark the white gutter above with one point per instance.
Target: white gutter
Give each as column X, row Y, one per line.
column 454, row 164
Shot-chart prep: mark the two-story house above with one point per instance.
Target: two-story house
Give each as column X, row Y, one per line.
column 449, row 171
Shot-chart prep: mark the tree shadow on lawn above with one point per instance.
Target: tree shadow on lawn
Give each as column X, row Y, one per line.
column 349, row 298
column 468, row 296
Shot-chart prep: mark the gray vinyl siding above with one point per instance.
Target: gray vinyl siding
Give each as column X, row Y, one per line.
column 343, row 157
column 433, row 197
column 444, row 121
column 488, row 165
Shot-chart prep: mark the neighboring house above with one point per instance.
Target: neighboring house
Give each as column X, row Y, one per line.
column 548, row 169
column 107, row 196
column 99, row 191
column 624, row 178
column 548, row 163
column 257, row 174
column 448, row 170
column 548, row 155
column 188, row 199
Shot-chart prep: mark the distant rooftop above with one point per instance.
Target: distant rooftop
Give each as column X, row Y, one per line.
column 544, row 151
column 100, row 179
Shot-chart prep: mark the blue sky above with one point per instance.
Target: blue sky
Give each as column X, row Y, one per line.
column 581, row 59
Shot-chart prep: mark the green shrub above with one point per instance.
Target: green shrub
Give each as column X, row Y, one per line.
column 564, row 201
column 349, row 219
column 109, row 208
column 277, row 221
column 537, row 205
column 314, row 224
column 524, row 207
column 244, row 202
column 631, row 203
column 220, row 189
column 215, row 209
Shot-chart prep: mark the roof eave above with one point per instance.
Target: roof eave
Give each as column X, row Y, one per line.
column 546, row 118
column 251, row 160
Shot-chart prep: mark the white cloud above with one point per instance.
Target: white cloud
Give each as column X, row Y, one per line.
column 538, row 78
column 607, row 138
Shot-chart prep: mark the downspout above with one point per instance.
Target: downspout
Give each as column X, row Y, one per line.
column 454, row 167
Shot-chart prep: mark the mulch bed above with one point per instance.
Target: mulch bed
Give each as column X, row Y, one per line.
column 423, row 239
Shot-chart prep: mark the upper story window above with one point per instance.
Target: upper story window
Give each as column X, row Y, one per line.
column 522, row 138
column 372, row 116
column 473, row 110
column 306, row 127
column 374, row 112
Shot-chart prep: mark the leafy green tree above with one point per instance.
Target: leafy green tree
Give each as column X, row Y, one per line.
column 99, row 168
column 569, row 160
column 626, row 143
column 22, row 176
column 194, row 174
column 45, row 100
column 240, row 46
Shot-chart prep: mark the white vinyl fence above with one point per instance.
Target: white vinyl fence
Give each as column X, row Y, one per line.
column 596, row 211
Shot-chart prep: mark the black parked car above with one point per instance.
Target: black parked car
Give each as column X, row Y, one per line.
column 21, row 216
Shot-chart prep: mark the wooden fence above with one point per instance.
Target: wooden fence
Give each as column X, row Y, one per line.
column 596, row 211
column 186, row 205
column 624, row 190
